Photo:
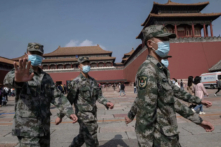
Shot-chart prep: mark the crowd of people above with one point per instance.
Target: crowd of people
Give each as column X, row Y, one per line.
column 4, row 93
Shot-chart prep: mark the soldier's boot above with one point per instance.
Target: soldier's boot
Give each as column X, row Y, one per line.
column 78, row 141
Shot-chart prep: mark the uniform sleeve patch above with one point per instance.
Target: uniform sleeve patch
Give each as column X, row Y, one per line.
column 142, row 82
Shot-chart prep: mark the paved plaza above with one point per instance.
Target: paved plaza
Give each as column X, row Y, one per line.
column 112, row 131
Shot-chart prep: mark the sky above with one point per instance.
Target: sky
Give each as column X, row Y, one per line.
column 113, row 24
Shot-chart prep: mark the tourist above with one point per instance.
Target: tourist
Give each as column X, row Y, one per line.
column 181, row 85
column 190, row 87
column 199, row 91
column 155, row 106
column 6, row 92
column 122, row 89
column 135, row 88
column 176, row 83
column 218, row 86
column 65, row 89
column 114, row 86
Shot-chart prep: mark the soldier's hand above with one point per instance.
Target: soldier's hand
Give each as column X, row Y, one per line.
column 206, row 103
column 207, row 126
column 74, row 118
column 110, row 105
column 58, row 120
column 127, row 120
column 22, row 72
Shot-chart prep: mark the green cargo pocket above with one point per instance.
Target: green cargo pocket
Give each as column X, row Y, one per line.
column 84, row 107
column 169, row 130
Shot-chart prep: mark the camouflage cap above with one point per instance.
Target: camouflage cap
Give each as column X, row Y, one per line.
column 156, row 31
column 35, row 47
column 83, row 59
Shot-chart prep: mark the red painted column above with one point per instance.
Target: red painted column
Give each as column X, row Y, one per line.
column 112, row 63
column 104, row 64
column 71, row 65
column 56, row 66
column 204, row 30
column 193, row 30
column 175, row 27
column 48, row 67
column 97, row 64
column 64, row 66
column 211, row 29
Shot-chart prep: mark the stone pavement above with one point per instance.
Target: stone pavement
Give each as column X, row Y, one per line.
column 112, row 131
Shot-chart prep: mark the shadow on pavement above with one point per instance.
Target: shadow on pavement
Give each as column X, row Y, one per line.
column 115, row 142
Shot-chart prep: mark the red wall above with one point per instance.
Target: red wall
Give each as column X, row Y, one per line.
column 131, row 70
column 188, row 59
column 193, row 59
column 97, row 75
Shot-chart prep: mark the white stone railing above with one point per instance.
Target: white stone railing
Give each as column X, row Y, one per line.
column 71, row 69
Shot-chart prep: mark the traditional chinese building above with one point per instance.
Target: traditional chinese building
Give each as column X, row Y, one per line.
column 5, row 66
column 195, row 50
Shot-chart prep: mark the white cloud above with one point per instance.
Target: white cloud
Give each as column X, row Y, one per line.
column 86, row 42
column 72, row 43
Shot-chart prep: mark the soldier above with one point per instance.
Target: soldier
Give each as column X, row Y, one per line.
column 84, row 92
column 35, row 91
column 155, row 105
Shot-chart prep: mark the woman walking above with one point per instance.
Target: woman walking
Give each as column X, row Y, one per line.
column 199, row 91
column 190, row 85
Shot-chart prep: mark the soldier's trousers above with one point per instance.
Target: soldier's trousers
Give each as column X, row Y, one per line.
column 87, row 134
column 157, row 139
column 34, row 141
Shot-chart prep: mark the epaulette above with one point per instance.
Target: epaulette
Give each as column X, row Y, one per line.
column 160, row 66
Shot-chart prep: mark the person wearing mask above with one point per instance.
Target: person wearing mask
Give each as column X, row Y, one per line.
column 155, row 104
column 84, row 92
column 199, row 91
column 218, row 86
column 35, row 92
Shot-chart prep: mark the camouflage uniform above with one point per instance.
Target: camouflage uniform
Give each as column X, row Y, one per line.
column 84, row 92
column 155, row 105
column 31, row 122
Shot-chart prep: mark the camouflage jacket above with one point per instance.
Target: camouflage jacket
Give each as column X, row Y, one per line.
column 155, row 105
column 83, row 93
column 32, row 104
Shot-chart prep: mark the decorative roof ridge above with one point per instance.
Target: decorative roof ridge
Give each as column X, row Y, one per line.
column 174, row 3
column 131, row 52
column 6, row 60
column 216, row 66
column 153, row 14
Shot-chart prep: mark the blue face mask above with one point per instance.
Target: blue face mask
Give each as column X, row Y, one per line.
column 163, row 48
column 86, row 69
column 165, row 62
column 35, row 59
